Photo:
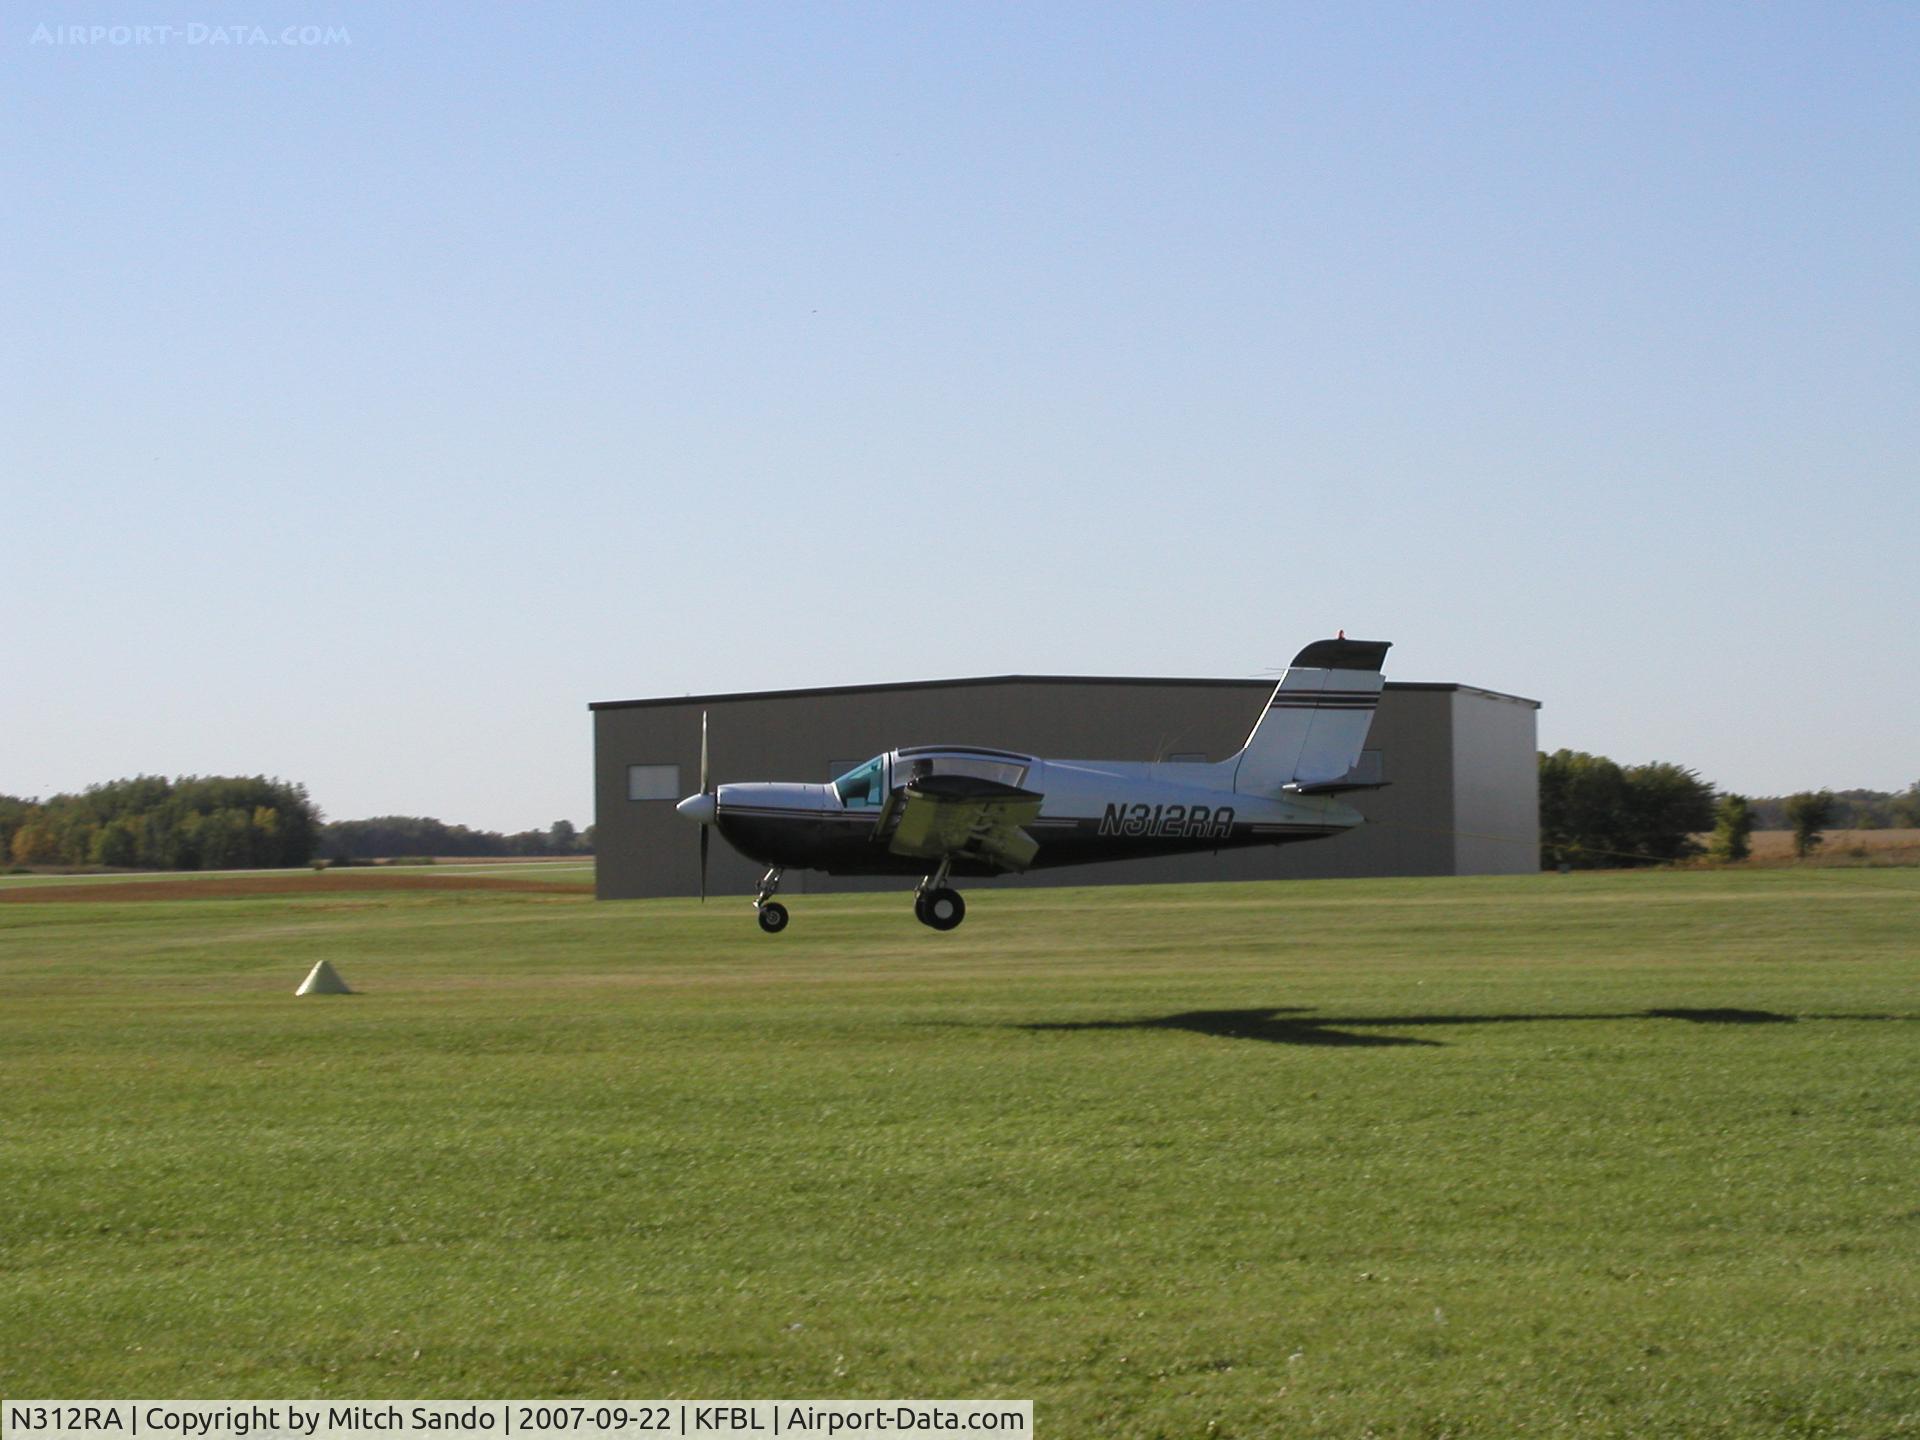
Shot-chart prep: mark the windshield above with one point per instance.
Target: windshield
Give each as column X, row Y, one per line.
column 862, row 786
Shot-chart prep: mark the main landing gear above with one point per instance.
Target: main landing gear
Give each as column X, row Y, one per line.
column 771, row 913
column 935, row 903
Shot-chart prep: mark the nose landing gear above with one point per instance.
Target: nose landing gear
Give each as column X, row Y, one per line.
column 771, row 914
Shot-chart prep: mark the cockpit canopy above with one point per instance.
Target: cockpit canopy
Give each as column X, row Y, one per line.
column 1003, row 767
column 866, row 786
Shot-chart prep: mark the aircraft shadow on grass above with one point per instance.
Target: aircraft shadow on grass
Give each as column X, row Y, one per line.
column 1295, row 1025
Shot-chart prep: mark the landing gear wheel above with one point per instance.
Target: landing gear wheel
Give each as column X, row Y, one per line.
column 773, row 917
column 942, row 909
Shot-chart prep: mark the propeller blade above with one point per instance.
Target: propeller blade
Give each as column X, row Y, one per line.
column 705, row 789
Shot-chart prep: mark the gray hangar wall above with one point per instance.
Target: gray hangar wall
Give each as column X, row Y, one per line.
column 1463, row 798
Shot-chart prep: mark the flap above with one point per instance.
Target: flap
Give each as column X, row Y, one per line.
column 961, row 815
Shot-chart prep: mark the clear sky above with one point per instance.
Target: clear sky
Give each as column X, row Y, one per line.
column 370, row 407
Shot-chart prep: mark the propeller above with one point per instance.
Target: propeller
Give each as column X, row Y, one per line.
column 706, row 837
column 702, row 807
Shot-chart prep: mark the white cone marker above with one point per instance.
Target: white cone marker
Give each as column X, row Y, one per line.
column 323, row 979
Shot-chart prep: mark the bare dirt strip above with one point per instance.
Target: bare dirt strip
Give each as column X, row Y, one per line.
column 294, row 882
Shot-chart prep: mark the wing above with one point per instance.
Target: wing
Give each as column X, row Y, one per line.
column 960, row 816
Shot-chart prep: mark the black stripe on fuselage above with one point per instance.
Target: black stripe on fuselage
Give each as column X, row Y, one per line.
column 826, row 840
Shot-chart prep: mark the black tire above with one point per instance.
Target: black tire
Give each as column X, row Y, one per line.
column 943, row 909
column 920, row 909
column 773, row 917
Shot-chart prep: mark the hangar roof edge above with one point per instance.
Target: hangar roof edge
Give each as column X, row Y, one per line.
column 895, row 686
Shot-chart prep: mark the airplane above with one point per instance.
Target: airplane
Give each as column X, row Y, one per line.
column 938, row 811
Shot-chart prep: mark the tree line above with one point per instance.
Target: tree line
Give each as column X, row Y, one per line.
column 222, row 822
column 388, row 836
column 1596, row 814
column 1852, row 809
column 213, row 822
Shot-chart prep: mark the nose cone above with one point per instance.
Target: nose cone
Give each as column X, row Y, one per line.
column 699, row 807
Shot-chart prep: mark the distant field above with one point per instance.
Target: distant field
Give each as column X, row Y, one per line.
column 295, row 884
column 1592, row 1155
column 207, row 884
column 1842, row 847
column 61, row 877
column 536, row 861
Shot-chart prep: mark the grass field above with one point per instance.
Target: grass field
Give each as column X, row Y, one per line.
column 1596, row 1155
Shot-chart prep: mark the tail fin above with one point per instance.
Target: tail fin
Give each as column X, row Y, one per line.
column 1314, row 728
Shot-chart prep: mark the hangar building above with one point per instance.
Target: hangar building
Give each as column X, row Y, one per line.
column 1462, row 795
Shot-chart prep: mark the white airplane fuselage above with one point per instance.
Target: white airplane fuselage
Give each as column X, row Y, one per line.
column 1093, row 811
column 943, row 810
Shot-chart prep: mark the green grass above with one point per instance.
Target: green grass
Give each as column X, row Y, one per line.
column 1596, row 1155
column 55, row 877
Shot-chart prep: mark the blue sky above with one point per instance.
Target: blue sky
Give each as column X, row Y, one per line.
column 371, row 407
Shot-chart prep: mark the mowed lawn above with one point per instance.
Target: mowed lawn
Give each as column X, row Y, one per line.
column 1595, row 1155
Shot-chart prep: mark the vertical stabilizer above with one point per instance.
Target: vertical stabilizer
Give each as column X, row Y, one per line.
column 1316, row 725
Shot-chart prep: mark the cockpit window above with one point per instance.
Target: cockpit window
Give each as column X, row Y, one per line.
column 864, row 785
column 1002, row 772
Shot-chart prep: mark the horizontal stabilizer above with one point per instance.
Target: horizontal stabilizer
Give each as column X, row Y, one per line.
column 1367, row 774
column 1334, row 787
